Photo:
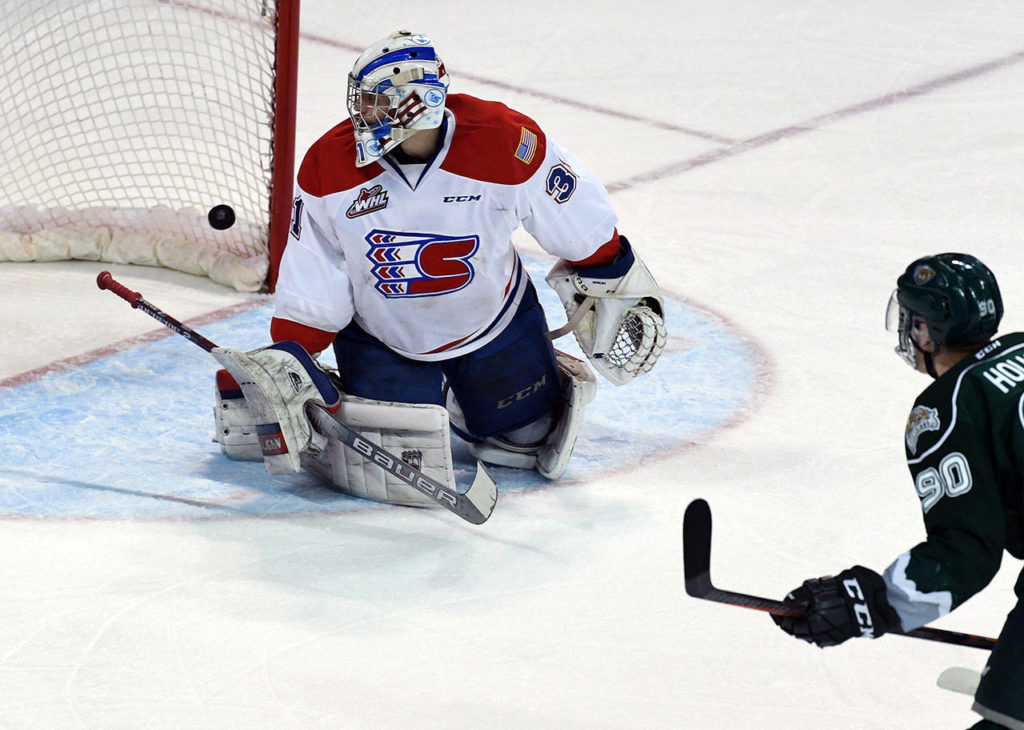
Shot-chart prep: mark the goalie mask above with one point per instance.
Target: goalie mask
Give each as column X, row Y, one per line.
column 397, row 87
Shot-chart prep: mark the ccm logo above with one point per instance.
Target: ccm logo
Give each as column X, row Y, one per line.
column 860, row 607
column 461, row 198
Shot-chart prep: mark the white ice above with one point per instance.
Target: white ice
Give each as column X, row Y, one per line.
column 777, row 164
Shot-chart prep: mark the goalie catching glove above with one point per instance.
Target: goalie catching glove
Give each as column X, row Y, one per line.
column 277, row 382
column 623, row 333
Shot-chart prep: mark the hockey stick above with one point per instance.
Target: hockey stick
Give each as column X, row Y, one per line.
column 474, row 505
column 585, row 306
column 697, row 571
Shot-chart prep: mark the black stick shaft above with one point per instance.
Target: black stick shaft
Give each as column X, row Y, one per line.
column 106, row 281
column 697, row 570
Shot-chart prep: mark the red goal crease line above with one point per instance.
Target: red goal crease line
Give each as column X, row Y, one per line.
column 69, row 363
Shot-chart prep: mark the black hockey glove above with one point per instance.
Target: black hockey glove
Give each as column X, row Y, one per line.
column 838, row 608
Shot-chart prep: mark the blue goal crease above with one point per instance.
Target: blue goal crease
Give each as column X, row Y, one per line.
column 131, row 435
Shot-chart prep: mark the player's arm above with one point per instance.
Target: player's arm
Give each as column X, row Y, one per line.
column 312, row 339
column 963, row 517
column 621, row 325
column 313, row 289
column 261, row 394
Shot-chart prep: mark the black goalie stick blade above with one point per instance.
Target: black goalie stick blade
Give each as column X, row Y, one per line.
column 697, row 571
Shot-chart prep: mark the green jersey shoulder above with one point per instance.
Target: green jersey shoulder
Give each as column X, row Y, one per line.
column 982, row 391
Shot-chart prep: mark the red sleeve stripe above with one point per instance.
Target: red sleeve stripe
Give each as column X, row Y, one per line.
column 602, row 256
column 313, row 340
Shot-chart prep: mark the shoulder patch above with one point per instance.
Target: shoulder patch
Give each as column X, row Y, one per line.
column 527, row 146
column 921, row 419
column 492, row 143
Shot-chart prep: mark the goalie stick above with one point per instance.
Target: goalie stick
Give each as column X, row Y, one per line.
column 474, row 505
column 697, row 572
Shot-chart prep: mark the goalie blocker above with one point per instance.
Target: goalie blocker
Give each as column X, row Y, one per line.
column 624, row 333
column 276, row 383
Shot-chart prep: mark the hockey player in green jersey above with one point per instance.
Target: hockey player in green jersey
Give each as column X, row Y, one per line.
column 965, row 449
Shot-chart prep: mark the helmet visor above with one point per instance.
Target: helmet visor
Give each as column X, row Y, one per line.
column 907, row 326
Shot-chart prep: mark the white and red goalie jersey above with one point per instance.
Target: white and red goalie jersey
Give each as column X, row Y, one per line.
column 422, row 259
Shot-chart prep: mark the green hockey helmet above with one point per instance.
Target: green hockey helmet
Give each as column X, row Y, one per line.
column 955, row 294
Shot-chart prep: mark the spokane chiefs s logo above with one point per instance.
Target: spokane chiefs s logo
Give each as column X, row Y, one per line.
column 420, row 264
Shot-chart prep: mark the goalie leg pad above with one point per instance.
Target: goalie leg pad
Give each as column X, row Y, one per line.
column 277, row 382
column 234, row 422
column 415, row 432
column 579, row 386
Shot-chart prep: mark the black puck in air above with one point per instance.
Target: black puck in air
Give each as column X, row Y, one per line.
column 221, row 217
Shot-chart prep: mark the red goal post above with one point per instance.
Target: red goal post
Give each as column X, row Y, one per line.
column 126, row 123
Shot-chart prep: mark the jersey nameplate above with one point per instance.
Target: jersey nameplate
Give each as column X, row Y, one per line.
column 1007, row 374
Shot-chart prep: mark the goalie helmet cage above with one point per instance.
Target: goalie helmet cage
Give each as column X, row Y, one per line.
column 125, row 123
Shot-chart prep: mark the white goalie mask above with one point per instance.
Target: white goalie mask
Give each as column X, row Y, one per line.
column 398, row 86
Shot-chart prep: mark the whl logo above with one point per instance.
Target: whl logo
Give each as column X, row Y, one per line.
column 376, row 198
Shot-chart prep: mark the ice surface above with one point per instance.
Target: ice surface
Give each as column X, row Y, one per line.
column 777, row 164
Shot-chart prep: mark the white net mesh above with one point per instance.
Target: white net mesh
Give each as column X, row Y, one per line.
column 126, row 122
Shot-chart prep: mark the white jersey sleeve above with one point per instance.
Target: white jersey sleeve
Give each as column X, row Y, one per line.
column 566, row 209
column 313, row 287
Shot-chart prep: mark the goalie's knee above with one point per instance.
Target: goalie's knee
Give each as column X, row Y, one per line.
column 550, row 453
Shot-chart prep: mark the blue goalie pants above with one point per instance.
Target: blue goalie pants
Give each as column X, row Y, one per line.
column 506, row 384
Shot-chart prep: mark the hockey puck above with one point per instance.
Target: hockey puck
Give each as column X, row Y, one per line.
column 221, row 217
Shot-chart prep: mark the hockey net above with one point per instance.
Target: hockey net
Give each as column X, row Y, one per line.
column 126, row 122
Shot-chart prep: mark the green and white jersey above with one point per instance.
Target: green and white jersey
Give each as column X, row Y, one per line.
column 965, row 450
